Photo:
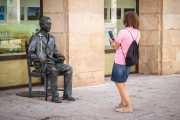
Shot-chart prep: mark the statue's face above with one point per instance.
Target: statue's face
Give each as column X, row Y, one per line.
column 46, row 26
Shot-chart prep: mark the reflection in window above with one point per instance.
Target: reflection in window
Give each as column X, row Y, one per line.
column 113, row 17
column 109, row 21
column 118, row 13
column 128, row 9
column 105, row 13
column 19, row 20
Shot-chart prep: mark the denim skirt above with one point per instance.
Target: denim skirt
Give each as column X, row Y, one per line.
column 120, row 73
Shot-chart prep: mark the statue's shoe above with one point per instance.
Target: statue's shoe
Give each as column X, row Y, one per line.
column 57, row 100
column 69, row 98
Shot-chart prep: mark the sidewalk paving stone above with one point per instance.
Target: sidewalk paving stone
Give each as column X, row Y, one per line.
column 152, row 98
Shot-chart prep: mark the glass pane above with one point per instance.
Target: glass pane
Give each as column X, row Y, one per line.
column 116, row 25
column 124, row 6
column 114, row 11
column 19, row 20
column 109, row 21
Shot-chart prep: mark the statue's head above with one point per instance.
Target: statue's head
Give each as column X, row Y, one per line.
column 45, row 23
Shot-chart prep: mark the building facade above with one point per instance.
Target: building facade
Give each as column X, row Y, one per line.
column 81, row 31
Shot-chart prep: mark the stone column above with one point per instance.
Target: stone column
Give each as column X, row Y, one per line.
column 160, row 33
column 86, row 41
column 171, row 37
column 150, row 14
column 78, row 26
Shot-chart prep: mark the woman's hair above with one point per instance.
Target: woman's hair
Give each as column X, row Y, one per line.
column 131, row 19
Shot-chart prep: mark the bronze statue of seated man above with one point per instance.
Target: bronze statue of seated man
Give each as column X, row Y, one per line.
column 43, row 51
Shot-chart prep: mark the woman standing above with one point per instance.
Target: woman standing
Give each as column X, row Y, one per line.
column 121, row 44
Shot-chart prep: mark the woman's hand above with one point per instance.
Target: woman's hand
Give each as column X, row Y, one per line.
column 110, row 40
column 114, row 39
column 115, row 44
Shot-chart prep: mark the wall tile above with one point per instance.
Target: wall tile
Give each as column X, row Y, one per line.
column 76, row 23
column 94, row 61
column 148, row 6
column 149, row 21
column 166, row 70
column 174, row 37
column 169, row 54
column 97, row 6
column 167, row 41
column 60, row 42
column 178, row 54
column 52, row 6
column 148, row 68
column 79, row 6
column 88, row 78
column 171, row 6
column 96, row 42
column 57, row 22
column 151, row 54
column 78, row 63
column 79, row 39
column 149, row 38
column 171, row 21
column 175, row 67
column 142, row 52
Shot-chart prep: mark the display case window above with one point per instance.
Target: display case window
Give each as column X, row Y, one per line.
column 19, row 20
column 128, row 9
column 114, row 11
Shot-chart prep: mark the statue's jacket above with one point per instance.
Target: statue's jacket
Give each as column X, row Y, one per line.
column 41, row 47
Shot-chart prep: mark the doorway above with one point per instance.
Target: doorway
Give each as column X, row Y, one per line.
column 114, row 11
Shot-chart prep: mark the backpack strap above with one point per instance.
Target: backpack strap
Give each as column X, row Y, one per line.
column 132, row 36
column 137, row 35
column 133, row 40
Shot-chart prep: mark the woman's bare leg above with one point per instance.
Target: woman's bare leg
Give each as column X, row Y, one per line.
column 122, row 100
column 124, row 94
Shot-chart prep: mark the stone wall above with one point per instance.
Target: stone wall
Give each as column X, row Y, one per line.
column 171, row 37
column 78, row 26
column 160, row 33
column 150, row 12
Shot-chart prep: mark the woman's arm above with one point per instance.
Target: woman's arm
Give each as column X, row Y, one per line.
column 114, row 43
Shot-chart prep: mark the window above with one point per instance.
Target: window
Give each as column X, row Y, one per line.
column 109, row 21
column 19, row 20
column 114, row 11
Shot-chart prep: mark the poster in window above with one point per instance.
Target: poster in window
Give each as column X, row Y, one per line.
column 128, row 9
column 33, row 13
column 22, row 13
column 110, row 13
column 105, row 13
column 13, row 37
column 118, row 13
column 1, row 13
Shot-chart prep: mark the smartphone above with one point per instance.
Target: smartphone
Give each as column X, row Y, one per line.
column 111, row 35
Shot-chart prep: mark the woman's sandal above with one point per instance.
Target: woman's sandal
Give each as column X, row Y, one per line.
column 124, row 110
column 120, row 106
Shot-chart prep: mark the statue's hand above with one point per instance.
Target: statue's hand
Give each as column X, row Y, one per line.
column 42, row 60
column 61, row 58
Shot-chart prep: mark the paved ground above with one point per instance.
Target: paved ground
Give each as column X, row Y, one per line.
column 152, row 97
